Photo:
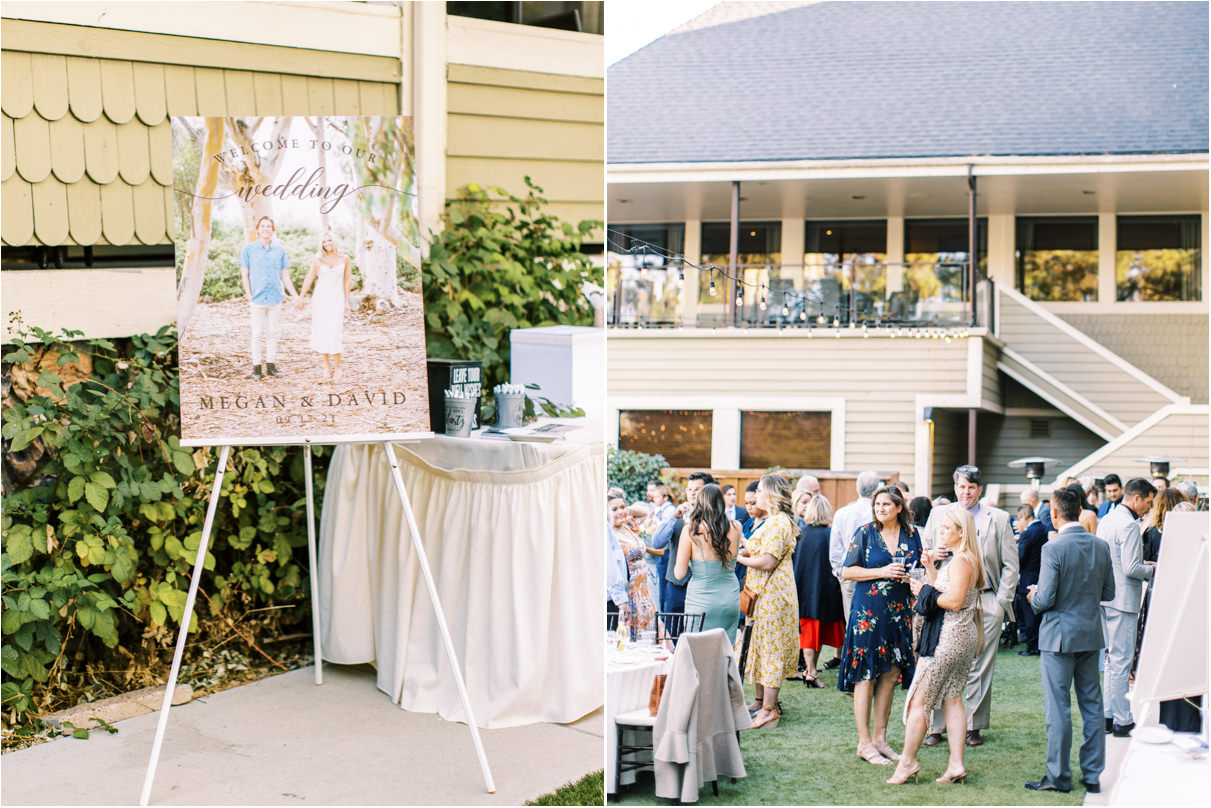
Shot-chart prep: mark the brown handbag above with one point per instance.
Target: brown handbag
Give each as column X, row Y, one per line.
column 748, row 598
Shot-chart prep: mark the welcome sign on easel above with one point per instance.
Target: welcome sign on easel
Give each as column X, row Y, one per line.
column 298, row 297
column 299, row 313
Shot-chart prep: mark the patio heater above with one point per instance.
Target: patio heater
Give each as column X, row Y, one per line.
column 1158, row 465
column 1034, row 466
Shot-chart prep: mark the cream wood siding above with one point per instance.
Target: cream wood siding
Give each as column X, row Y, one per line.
column 86, row 142
column 1069, row 361
column 879, row 379
column 949, row 450
column 95, row 301
column 1172, row 348
column 1000, row 439
column 990, row 379
column 1182, row 434
column 507, row 124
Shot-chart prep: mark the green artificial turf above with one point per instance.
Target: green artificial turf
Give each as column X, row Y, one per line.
column 588, row 790
column 810, row 758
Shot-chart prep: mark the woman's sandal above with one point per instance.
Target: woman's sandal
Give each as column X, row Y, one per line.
column 961, row 777
column 874, row 756
column 810, row 680
column 901, row 777
column 769, row 722
column 886, row 751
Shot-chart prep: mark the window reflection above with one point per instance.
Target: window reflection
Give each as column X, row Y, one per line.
column 683, row 437
column 1158, row 258
column 1057, row 258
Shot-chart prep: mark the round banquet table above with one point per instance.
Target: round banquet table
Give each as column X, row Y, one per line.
column 512, row 533
column 628, row 687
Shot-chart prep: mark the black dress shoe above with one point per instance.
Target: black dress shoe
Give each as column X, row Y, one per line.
column 1092, row 788
column 932, row 739
column 1123, row 730
column 1028, row 652
column 1046, row 785
column 835, row 662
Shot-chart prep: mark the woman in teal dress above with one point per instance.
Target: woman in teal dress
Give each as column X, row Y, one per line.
column 708, row 546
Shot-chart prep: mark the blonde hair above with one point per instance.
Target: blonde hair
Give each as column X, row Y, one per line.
column 778, row 489
column 970, row 546
column 336, row 248
column 819, row 511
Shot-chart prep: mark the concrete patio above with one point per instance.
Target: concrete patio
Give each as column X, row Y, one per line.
column 284, row 741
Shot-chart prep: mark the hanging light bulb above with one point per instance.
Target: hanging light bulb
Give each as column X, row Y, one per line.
column 821, row 319
column 786, row 310
column 763, row 301
column 714, row 291
column 681, row 273
column 836, row 322
column 803, row 316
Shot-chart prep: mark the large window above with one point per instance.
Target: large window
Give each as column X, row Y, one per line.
column 682, row 436
column 643, row 283
column 801, row 440
column 585, row 16
column 1057, row 258
column 840, row 256
column 758, row 243
column 1158, row 258
column 934, row 280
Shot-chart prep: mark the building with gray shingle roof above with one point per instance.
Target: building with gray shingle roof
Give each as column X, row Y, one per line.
column 779, row 173
column 844, row 80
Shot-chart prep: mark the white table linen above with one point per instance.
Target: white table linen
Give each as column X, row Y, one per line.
column 512, row 534
column 628, row 687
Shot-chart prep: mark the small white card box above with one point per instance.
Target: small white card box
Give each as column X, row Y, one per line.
column 567, row 362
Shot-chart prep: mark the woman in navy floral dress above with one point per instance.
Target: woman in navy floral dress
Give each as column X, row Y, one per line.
column 878, row 638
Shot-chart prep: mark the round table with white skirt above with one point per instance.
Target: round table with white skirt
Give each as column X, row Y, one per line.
column 512, row 533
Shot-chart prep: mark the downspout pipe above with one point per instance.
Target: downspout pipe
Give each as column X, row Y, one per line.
column 733, row 256
column 972, row 258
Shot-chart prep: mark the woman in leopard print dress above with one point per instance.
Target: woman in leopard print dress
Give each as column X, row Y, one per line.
column 939, row 680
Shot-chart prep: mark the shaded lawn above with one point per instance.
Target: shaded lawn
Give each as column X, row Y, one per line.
column 810, row 758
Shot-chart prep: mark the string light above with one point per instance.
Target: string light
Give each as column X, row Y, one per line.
column 713, row 290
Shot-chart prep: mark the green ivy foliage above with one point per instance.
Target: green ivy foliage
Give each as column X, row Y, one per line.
column 100, row 541
column 631, row 471
column 502, row 263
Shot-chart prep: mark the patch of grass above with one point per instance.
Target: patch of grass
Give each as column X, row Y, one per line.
column 588, row 790
column 810, row 758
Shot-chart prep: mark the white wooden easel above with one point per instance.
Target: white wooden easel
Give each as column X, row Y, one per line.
column 199, row 563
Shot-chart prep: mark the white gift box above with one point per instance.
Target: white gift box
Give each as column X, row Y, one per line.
column 567, row 362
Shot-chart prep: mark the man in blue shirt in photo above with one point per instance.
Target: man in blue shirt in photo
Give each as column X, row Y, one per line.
column 264, row 271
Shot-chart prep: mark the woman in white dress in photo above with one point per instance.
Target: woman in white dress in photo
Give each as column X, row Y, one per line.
column 332, row 275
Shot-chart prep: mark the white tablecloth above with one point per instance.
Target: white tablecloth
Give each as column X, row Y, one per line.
column 513, row 536
column 628, row 687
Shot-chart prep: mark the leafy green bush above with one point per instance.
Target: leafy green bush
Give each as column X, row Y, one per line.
column 631, row 471
column 103, row 513
column 500, row 264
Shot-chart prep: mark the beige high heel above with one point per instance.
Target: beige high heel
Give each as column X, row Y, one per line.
column 960, row 777
column 899, row 779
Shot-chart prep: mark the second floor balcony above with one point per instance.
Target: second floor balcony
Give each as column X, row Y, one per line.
column 859, row 293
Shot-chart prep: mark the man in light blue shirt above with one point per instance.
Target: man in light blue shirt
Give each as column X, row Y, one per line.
column 846, row 522
column 264, row 271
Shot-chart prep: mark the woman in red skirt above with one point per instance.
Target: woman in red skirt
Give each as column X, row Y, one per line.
column 820, row 612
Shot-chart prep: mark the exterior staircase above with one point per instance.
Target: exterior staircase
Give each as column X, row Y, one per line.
column 1133, row 412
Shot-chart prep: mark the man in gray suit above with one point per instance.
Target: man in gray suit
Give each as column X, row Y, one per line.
column 999, row 552
column 1121, row 532
column 1075, row 574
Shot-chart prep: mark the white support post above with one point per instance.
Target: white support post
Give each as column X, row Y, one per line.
column 440, row 615
column 186, row 617
column 315, row 569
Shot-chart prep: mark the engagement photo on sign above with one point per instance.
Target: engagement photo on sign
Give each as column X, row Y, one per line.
column 298, row 263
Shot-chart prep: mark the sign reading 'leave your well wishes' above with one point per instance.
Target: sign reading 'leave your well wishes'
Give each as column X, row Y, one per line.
column 298, row 280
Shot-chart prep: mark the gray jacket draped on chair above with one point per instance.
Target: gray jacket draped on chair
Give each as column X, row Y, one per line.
column 694, row 739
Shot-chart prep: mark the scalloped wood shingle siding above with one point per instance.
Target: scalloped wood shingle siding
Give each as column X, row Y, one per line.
column 86, row 153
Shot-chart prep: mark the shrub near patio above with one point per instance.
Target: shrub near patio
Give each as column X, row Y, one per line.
column 103, row 512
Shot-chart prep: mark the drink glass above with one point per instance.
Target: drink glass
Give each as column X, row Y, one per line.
column 902, row 560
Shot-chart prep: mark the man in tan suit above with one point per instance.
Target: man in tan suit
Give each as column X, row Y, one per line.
column 999, row 553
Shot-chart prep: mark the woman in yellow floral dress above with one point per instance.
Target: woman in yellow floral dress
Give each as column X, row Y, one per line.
column 774, row 646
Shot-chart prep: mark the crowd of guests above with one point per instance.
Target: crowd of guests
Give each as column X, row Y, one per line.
column 911, row 592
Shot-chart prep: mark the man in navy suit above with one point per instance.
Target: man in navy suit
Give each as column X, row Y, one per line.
column 1075, row 575
column 734, row 512
column 1031, row 538
column 672, row 588
column 1114, row 495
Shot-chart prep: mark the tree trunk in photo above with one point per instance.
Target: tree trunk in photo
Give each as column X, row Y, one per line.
column 257, row 168
column 194, row 268
column 317, row 128
column 376, row 258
